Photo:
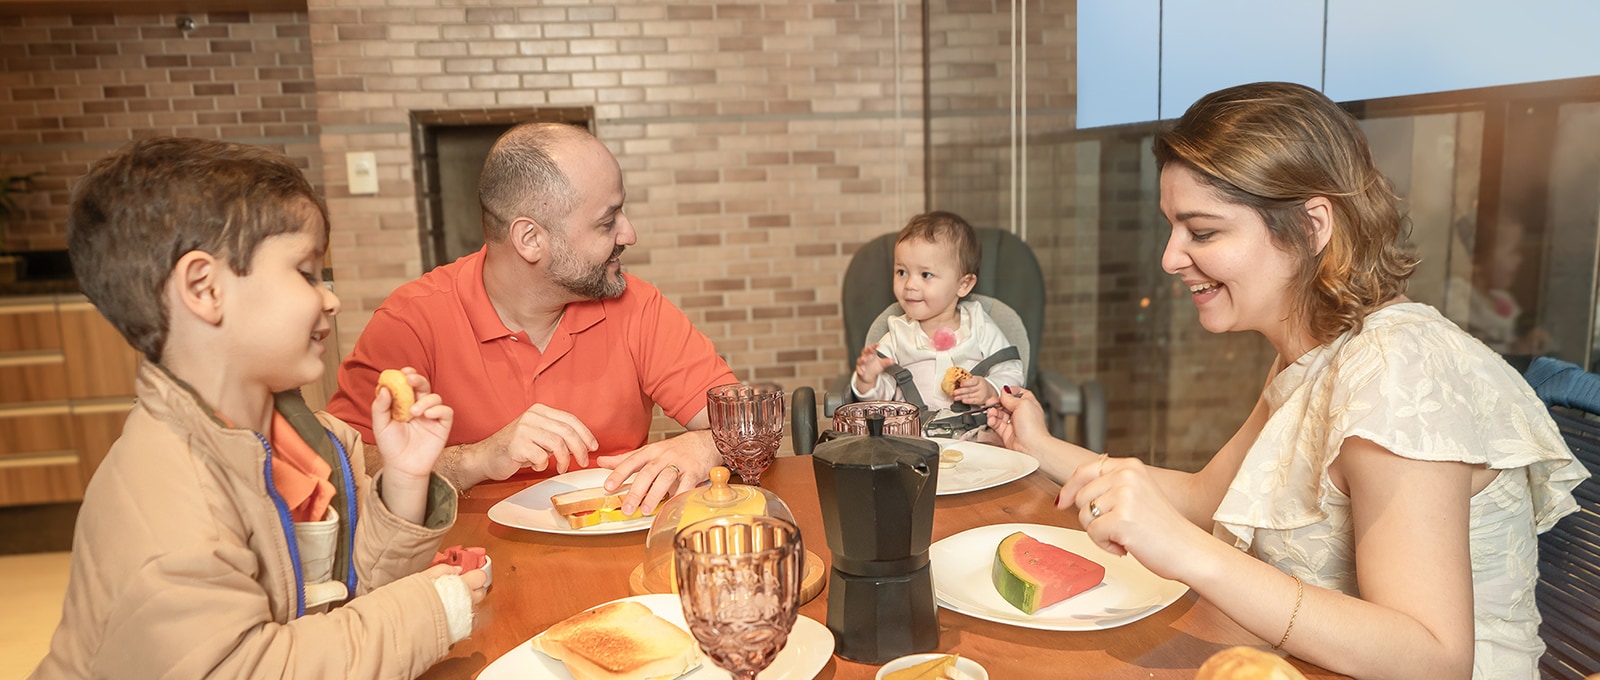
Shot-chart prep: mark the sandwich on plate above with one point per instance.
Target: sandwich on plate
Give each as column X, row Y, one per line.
column 589, row 507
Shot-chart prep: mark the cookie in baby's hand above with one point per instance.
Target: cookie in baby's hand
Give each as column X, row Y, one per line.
column 953, row 379
column 404, row 398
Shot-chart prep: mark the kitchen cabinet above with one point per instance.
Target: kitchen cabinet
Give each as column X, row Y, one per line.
column 66, row 386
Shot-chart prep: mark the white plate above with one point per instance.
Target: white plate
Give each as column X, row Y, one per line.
column 962, row 582
column 530, row 508
column 809, row 647
column 971, row 668
column 982, row 466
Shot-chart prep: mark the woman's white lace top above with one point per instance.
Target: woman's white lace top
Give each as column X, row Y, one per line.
column 1416, row 384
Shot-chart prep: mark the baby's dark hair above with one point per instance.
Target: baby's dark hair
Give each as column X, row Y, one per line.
column 946, row 227
column 143, row 207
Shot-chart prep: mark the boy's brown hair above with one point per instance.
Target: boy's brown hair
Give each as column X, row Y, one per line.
column 143, row 207
column 946, row 227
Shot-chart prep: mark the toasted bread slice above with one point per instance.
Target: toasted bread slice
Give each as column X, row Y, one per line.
column 589, row 507
column 588, row 500
column 619, row 641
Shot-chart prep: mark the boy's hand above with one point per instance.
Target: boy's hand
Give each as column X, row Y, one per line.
column 975, row 390
column 411, row 448
column 869, row 366
column 476, row 580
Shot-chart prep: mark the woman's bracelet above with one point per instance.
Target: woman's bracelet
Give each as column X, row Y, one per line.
column 1299, row 594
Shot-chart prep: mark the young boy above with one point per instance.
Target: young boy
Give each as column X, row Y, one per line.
column 195, row 551
column 940, row 337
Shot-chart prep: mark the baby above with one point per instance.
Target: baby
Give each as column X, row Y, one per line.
column 943, row 350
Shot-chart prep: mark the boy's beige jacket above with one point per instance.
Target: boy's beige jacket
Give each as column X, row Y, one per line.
column 180, row 566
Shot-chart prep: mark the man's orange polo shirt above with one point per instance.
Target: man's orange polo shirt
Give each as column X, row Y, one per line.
column 608, row 362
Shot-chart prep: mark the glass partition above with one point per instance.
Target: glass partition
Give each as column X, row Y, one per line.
column 1501, row 185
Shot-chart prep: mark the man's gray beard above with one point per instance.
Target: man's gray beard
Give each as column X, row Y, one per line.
column 592, row 284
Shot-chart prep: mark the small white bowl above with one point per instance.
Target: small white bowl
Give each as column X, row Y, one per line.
column 971, row 668
column 487, row 572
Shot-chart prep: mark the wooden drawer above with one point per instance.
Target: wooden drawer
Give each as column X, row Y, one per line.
column 95, row 427
column 99, row 362
column 36, row 376
column 44, row 478
column 29, row 324
column 35, row 428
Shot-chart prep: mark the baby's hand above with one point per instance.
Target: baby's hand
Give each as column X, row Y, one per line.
column 975, row 390
column 411, row 447
column 868, row 367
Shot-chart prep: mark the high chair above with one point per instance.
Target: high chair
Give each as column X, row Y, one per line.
column 1011, row 289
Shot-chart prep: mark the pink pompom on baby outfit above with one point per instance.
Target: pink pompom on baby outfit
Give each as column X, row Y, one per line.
column 944, row 339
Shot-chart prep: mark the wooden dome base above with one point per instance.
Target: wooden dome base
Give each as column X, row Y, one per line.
column 810, row 585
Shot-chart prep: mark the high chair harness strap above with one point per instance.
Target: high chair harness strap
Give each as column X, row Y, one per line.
column 908, row 387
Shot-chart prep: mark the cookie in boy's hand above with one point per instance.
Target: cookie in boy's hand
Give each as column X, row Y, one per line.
column 404, row 398
column 953, row 379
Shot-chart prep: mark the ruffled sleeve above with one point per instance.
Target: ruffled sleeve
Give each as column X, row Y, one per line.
column 1414, row 383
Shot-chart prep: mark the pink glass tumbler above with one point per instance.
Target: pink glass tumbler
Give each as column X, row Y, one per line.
column 747, row 424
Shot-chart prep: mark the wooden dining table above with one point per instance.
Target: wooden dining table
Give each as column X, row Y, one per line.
column 542, row 578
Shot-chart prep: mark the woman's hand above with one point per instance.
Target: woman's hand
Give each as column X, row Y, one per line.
column 1019, row 421
column 1125, row 512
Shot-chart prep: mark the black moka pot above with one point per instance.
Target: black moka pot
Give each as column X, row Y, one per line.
column 877, row 494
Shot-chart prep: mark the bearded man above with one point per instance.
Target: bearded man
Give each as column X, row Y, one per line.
column 552, row 357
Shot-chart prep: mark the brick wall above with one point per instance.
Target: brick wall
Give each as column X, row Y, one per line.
column 760, row 142
column 74, row 87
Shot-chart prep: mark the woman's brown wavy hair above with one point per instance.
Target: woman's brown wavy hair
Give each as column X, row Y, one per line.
column 1274, row 146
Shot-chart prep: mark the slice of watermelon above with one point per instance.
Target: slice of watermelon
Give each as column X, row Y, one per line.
column 1032, row 575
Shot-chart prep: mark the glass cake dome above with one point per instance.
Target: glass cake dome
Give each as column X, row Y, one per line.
column 656, row 574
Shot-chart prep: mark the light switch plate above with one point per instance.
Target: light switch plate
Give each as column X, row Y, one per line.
column 361, row 167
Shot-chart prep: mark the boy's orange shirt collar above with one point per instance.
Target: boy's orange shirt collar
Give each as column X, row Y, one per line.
column 300, row 475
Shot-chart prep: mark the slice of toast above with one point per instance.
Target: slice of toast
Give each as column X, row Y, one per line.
column 588, row 500
column 619, row 641
column 588, row 507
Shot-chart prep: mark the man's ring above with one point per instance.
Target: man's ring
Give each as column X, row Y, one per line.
column 677, row 471
column 1094, row 510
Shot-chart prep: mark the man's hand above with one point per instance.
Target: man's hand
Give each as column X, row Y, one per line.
column 665, row 469
column 538, row 436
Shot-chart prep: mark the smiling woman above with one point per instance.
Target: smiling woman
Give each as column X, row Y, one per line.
column 1445, row 468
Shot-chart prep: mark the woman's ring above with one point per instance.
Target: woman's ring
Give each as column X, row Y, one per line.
column 1094, row 510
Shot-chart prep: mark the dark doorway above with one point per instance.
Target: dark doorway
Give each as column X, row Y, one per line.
column 451, row 147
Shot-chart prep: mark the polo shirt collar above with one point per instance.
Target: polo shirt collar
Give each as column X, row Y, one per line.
column 486, row 323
